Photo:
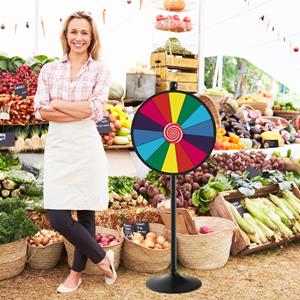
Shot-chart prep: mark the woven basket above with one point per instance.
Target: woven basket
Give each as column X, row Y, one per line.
column 141, row 259
column 288, row 115
column 206, row 251
column 12, row 258
column 212, row 106
column 91, row 268
column 277, row 119
column 44, row 257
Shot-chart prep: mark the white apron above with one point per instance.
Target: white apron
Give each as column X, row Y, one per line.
column 75, row 174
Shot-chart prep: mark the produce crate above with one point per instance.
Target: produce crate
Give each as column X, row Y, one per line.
column 187, row 76
column 175, row 60
column 163, row 85
column 240, row 246
column 178, row 67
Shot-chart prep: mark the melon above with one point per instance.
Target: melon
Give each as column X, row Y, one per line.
column 116, row 91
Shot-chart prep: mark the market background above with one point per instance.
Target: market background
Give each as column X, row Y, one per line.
column 238, row 213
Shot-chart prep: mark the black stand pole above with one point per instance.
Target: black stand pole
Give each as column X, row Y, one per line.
column 173, row 283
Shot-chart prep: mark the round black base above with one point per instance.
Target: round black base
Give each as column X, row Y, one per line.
column 173, row 284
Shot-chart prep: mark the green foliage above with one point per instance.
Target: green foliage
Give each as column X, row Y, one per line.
column 7, row 161
column 239, row 75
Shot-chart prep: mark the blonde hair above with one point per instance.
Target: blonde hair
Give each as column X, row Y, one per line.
column 94, row 47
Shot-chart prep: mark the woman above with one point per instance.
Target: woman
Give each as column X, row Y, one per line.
column 70, row 95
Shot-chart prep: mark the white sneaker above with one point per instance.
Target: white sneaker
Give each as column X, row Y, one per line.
column 64, row 289
column 111, row 257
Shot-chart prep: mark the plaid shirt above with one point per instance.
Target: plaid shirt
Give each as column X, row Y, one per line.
column 91, row 83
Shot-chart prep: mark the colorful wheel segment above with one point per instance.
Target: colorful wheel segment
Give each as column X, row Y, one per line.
column 173, row 132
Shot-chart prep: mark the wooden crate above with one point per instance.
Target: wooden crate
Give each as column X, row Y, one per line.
column 240, row 246
column 167, row 74
column 164, row 85
column 174, row 60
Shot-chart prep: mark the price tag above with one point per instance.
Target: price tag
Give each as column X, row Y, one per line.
column 270, row 144
column 20, row 90
column 128, row 230
column 31, row 169
column 239, row 207
column 104, row 125
column 7, row 139
column 252, row 172
column 142, row 227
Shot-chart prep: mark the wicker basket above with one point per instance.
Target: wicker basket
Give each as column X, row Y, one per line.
column 91, row 268
column 140, row 259
column 288, row 115
column 212, row 106
column 283, row 121
column 206, row 251
column 12, row 258
column 44, row 257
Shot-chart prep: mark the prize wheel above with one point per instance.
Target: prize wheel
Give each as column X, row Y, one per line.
column 173, row 132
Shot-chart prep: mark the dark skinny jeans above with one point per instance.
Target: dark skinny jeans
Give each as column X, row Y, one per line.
column 81, row 234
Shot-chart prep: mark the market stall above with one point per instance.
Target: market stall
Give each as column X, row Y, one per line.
column 243, row 199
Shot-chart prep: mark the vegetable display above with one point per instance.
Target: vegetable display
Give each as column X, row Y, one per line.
column 122, row 193
column 270, row 218
column 152, row 240
column 14, row 223
column 44, row 238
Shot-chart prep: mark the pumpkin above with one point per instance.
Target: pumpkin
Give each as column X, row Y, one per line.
column 116, row 91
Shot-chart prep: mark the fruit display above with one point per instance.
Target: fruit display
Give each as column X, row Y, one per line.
column 288, row 106
column 173, row 23
column 106, row 240
column 151, row 241
column 120, row 125
column 271, row 218
column 44, row 238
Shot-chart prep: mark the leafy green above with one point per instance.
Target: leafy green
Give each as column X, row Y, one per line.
column 7, row 161
column 122, row 185
column 14, row 223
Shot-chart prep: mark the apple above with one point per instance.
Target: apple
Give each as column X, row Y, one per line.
column 186, row 19
column 206, row 229
column 176, row 17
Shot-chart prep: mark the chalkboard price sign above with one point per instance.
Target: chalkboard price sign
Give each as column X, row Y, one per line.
column 30, row 169
column 239, row 207
column 104, row 125
column 20, row 90
column 7, row 139
column 128, row 230
column 142, row 228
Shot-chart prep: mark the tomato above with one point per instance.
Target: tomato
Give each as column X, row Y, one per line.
column 187, row 19
column 160, row 17
column 176, row 17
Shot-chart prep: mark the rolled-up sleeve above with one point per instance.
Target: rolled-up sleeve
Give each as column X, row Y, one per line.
column 42, row 97
column 100, row 93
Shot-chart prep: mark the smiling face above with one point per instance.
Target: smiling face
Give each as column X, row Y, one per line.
column 79, row 35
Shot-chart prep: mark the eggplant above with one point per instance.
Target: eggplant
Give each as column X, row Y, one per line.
column 255, row 130
column 235, row 116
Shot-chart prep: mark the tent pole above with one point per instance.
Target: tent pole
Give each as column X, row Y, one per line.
column 201, row 48
column 220, row 71
column 36, row 27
